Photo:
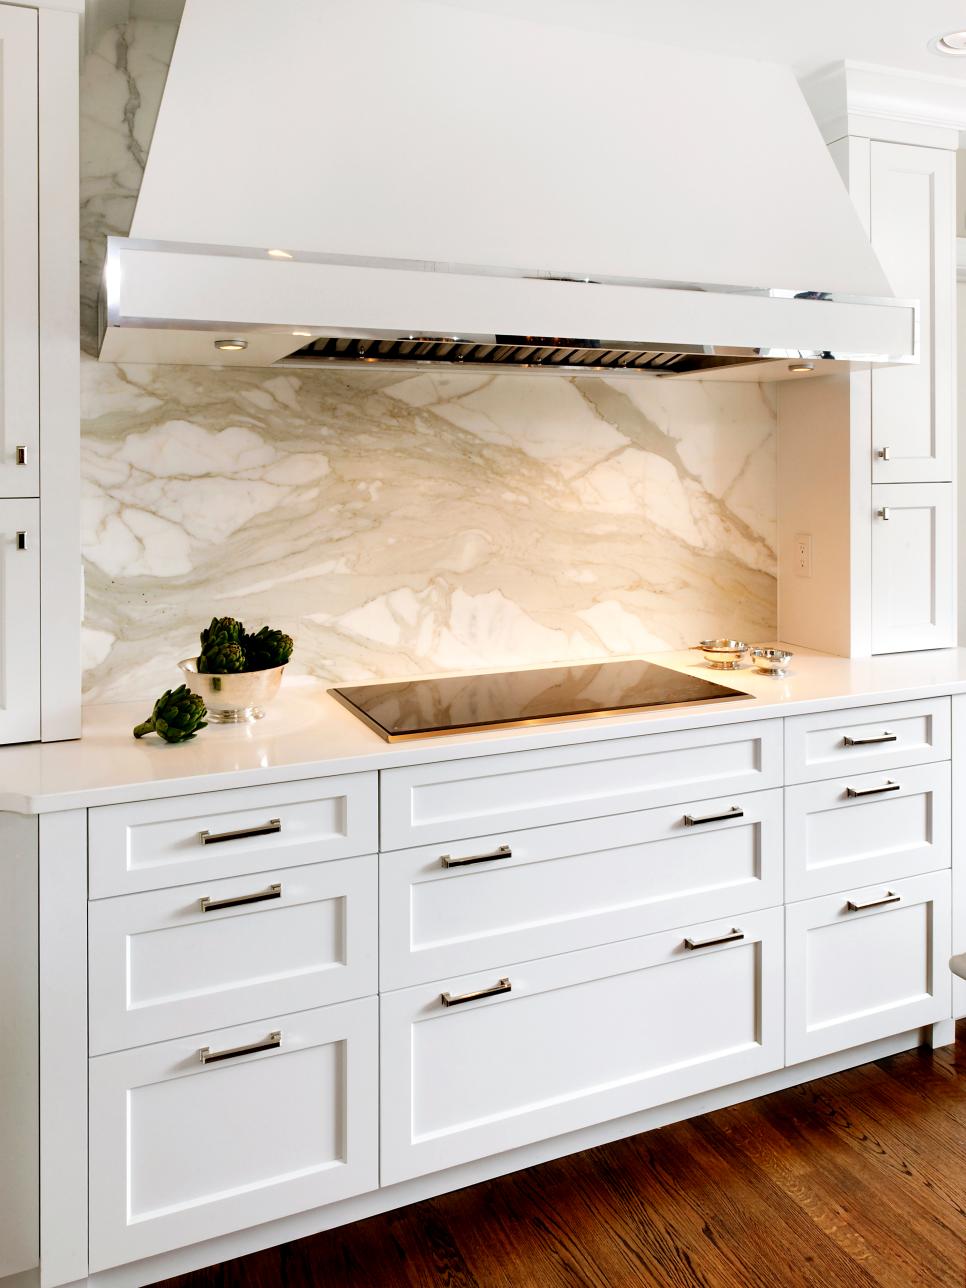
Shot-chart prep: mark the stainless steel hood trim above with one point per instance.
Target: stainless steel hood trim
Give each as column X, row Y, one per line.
column 112, row 316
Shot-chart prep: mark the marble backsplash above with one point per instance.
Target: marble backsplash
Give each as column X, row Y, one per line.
column 397, row 524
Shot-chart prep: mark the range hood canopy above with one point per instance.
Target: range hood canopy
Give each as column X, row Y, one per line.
column 486, row 191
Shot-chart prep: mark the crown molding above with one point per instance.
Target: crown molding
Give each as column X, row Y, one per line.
column 850, row 98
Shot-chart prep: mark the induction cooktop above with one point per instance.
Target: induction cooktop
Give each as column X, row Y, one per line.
column 459, row 703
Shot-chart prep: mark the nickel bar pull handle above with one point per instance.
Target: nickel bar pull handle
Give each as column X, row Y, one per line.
column 888, row 786
column 733, row 938
column 885, row 736
column 211, row 905
column 20, row 455
column 884, row 453
column 242, row 833
column 852, row 906
column 884, row 512
column 448, row 999
column 21, row 541
column 695, row 820
column 501, row 852
column 207, row 1056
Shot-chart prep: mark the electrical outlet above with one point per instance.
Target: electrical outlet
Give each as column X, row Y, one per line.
column 803, row 554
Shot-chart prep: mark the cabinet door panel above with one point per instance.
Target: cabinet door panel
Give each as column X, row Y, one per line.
column 913, row 233
column 182, row 1150
column 19, row 621
column 913, row 567
column 554, row 1045
column 19, row 342
column 866, row 964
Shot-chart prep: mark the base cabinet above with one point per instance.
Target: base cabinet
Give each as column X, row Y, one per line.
column 866, row 963
column 549, row 1046
column 186, row 1150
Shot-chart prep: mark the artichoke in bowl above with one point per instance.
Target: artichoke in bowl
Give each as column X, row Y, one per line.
column 267, row 648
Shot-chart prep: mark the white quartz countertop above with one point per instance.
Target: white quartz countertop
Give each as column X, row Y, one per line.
column 307, row 734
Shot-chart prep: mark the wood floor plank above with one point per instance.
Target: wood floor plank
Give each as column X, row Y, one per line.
column 857, row 1180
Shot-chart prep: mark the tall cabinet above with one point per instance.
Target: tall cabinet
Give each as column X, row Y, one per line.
column 40, row 600
column 867, row 463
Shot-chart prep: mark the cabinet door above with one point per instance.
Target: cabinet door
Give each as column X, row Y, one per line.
column 282, row 1118
column 19, row 620
column 913, row 567
column 866, row 964
column 19, row 346
column 481, row 1063
column 913, row 233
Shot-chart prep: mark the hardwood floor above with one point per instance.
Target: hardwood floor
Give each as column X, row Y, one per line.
column 856, row 1179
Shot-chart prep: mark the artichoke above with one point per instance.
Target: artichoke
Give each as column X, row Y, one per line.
column 267, row 648
column 221, row 657
column 222, row 628
column 177, row 716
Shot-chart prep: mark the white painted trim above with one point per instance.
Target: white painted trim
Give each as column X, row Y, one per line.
column 214, row 1251
column 886, row 103
column 961, row 259
column 59, row 290
column 63, row 1044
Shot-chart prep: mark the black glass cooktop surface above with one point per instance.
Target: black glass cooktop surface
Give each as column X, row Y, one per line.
column 456, row 703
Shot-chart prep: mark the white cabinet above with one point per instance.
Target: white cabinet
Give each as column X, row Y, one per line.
column 19, row 619
column 279, row 1116
column 913, row 567
column 451, row 909
column 864, row 828
column 862, row 740
column 187, row 958
column 912, row 203
column 866, row 963
column 476, row 1064
column 19, row 319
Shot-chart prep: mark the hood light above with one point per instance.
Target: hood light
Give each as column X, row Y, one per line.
column 308, row 334
column 279, row 254
column 231, row 346
column 799, row 367
column 954, row 42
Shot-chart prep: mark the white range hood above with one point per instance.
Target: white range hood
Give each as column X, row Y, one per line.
column 405, row 182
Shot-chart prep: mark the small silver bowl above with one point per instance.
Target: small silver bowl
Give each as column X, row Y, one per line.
column 771, row 661
column 723, row 655
column 233, row 699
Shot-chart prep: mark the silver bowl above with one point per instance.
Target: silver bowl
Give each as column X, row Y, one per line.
column 723, row 655
column 771, row 661
column 233, row 699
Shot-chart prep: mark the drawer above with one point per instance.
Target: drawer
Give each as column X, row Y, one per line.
column 894, row 825
column 862, row 740
column 511, row 896
column 182, row 1151
column 474, row 797
column 152, row 844
column 169, row 962
column 862, row 973
column 555, row 1045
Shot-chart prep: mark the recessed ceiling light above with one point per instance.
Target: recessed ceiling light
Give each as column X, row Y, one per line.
column 799, row 367
column 953, row 42
column 279, row 254
column 231, row 346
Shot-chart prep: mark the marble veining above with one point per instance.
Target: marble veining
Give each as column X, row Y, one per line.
column 397, row 525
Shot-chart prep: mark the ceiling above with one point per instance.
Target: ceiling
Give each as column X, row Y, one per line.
column 890, row 33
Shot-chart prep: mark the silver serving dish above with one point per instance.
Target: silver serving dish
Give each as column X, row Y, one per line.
column 723, row 655
column 771, row 661
column 233, row 699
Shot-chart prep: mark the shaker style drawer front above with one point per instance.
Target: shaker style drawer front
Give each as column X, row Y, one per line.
column 865, row 739
column 281, row 1116
column 179, row 960
column 476, row 1064
column 866, row 827
column 474, row 797
column 865, row 964
column 462, row 906
column 152, row 844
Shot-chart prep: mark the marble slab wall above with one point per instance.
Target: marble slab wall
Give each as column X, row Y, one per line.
column 396, row 525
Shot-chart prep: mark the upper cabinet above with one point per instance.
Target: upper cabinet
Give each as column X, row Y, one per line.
column 19, row 312
column 912, row 223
